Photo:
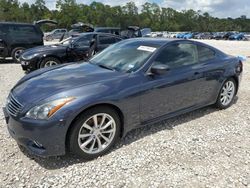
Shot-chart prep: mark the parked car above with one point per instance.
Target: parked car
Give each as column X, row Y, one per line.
column 83, row 27
column 55, row 34
column 189, row 35
column 129, row 32
column 218, row 35
column 247, row 36
column 16, row 37
column 85, row 108
column 205, row 35
column 81, row 47
column 181, row 35
column 227, row 35
column 237, row 36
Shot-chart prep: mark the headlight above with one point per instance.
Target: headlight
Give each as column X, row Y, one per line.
column 28, row 57
column 45, row 111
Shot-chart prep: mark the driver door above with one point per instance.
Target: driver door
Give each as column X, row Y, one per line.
column 178, row 88
column 80, row 48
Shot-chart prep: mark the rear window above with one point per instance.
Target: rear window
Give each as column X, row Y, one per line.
column 205, row 54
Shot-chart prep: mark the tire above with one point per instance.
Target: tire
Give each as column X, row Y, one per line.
column 49, row 61
column 91, row 142
column 228, row 91
column 15, row 53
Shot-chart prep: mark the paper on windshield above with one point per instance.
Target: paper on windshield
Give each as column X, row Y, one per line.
column 146, row 48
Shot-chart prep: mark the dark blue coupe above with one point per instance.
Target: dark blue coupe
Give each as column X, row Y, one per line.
column 85, row 108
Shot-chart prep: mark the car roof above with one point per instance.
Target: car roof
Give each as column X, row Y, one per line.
column 15, row 23
column 107, row 28
column 99, row 33
column 163, row 41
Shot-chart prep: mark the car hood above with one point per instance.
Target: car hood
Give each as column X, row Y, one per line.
column 43, row 84
column 41, row 49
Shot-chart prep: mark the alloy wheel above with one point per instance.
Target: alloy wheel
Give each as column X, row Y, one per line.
column 96, row 133
column 17, row 54
column 50, row 63
column 227, row 93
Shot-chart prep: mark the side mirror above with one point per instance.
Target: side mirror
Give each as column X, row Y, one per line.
column 159, row 69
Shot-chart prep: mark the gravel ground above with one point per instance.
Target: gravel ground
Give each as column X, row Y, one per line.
column 205, row 148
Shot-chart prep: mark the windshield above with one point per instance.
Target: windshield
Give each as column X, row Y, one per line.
column 125, row 56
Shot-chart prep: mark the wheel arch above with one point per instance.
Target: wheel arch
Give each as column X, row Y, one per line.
column 116, row 108
column 236, row 79
column 47, row 56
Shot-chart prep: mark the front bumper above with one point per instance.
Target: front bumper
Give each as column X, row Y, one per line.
column 40, row 137
column 29, row 65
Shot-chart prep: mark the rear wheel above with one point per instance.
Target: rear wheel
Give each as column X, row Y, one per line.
column 227, row 94
column 49, row 61
column 16, row 53
column 94, row 132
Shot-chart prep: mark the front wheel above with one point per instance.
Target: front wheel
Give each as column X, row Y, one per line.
column 49, row 61
column 94, row 132
column 227, row 94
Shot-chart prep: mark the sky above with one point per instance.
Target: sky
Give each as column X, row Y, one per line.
column 217, row 8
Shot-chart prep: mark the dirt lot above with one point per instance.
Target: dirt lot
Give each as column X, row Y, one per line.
column 205, row 148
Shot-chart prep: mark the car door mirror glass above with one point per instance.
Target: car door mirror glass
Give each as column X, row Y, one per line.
column 159, row 69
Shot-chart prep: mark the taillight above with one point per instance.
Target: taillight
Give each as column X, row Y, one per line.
column 239, row 67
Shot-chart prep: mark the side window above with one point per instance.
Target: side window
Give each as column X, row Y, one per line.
column 28, row 30
column 106, row 40
column 205, row 54
column 178, row 55
column 20, row 30
column 62, row 31
column 103, row 31
column 1, row 30
column 82, row 42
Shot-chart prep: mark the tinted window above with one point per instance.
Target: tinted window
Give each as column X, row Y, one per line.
column 17, row 30
column 83, row 41
column 205, row 54
column 178, row 55
column 107, row 40
column 62, row 30
column 2, row 30
column 103, row 31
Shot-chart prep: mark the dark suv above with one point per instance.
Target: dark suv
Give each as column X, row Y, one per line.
column 16, row 37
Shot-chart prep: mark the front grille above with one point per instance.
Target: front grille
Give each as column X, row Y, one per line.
column 13, row 106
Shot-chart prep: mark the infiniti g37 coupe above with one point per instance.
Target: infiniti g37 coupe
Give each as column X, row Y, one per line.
column 84, row 108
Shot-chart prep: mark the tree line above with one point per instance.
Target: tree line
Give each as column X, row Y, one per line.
column 151, row 15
